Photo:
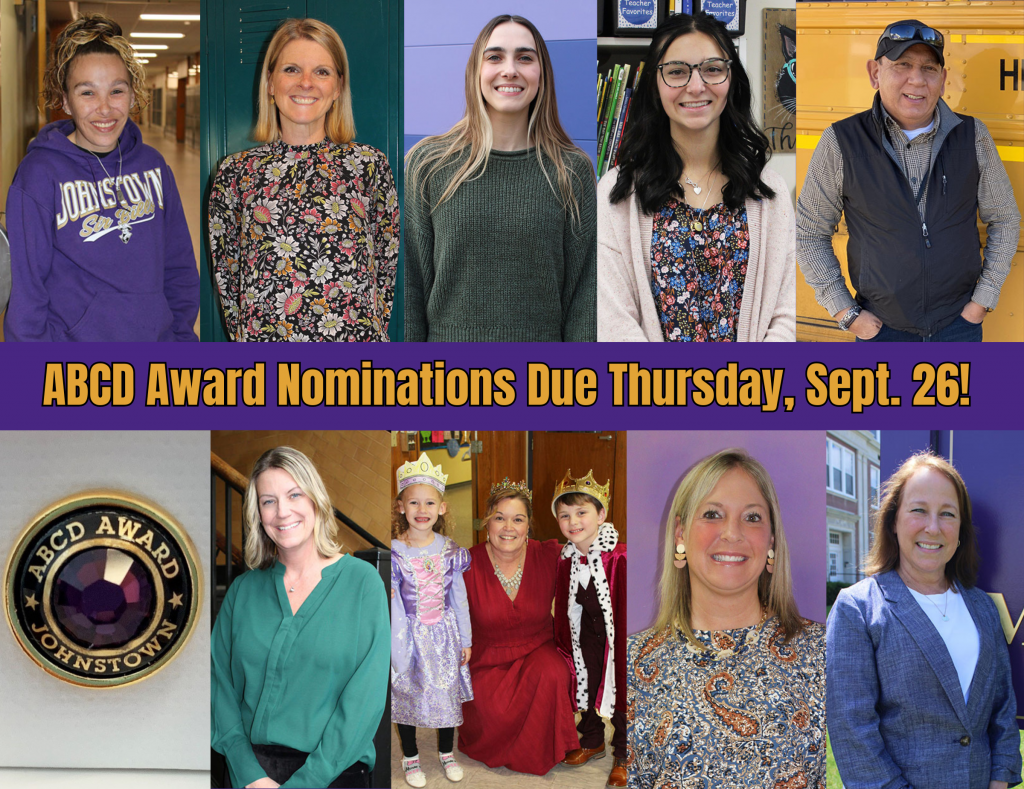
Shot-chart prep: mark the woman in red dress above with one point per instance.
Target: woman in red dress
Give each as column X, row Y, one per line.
column 522, row 713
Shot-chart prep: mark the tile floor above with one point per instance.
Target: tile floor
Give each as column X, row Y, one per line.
column 591, row 775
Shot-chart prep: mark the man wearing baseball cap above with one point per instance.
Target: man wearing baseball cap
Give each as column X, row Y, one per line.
column 912, row 178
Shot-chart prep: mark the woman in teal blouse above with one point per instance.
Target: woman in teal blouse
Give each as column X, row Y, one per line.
column 301, row 643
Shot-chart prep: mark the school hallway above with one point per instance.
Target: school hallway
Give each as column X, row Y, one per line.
column 592, row 775
column 184, row 163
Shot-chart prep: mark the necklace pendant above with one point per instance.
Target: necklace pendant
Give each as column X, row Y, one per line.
column 120, row 197
column 945, row 619
column 696, row 226
column 696, row 190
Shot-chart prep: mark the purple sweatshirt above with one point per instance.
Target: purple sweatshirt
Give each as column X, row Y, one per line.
column 86, row 267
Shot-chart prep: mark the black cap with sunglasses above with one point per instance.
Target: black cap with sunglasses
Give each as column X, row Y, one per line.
column 898, row 37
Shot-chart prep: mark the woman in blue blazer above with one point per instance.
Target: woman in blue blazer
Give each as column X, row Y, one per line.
column 919, row 693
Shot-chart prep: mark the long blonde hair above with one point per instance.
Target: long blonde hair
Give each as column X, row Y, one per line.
column 474, row 135
column 774, row 590
column 260, row 551
column 339, row 124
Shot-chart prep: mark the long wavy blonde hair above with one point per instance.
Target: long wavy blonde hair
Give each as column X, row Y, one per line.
column 474, row 136
column 87, row 35
column 774, row 590
column 260, row 551
column 339, row 124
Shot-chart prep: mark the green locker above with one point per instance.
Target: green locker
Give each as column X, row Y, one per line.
column 235, row 37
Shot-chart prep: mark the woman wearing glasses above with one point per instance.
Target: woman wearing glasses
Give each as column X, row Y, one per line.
column 695, row 236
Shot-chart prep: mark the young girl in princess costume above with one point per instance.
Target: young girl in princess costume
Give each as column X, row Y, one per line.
column 430, row 629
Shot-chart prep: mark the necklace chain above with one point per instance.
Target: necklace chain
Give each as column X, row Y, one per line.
column 712, row 176
column 945, row 606
column 126, row 232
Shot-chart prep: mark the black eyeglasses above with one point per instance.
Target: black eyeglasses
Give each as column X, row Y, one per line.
column 904, row 32
column 713, row 71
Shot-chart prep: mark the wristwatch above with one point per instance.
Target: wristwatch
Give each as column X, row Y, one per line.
column 850, row 316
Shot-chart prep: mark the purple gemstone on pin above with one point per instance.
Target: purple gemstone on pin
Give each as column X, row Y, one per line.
column 103, row 597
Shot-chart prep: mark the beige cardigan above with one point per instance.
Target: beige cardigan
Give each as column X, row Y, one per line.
column 626, row 311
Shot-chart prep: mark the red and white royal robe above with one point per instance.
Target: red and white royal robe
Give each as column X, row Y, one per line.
column 606, row 562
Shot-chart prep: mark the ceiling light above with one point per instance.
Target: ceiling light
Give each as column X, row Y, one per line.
column 170, row 17
column 148, row 47
column 173, row 75
column 139, row 55
column 157, row 35
column 142, row 60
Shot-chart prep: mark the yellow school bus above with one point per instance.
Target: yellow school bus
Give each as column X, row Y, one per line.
column 984, row 52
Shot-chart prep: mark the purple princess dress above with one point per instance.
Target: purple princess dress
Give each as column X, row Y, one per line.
column 429, row 628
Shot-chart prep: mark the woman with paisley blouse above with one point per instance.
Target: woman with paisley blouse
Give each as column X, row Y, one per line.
column 728, row 688
column 304, row 228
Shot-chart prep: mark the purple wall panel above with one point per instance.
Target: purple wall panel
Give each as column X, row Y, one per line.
column 459, row 21
column 658, row 462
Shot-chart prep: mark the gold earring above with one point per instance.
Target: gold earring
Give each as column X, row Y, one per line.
column 771, row 560
column 271, row 98
column 680, row 561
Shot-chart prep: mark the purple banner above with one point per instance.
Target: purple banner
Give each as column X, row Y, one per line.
column 625, row 386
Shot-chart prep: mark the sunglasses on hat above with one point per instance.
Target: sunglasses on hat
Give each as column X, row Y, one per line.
column 912, row 32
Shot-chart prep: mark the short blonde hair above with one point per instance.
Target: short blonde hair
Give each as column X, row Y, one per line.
column 260, row 550
column 87, row 35
column 774, row 590
column 339, row 124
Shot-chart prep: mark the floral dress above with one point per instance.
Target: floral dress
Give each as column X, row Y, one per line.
column 699, row 265
column 304, row 240
column 748, row 712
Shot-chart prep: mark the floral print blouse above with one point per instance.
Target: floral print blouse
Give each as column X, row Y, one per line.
column 749, row 713
column 304, row 240
column 699, row 265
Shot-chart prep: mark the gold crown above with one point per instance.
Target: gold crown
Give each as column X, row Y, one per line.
column 422, row 472
column 586, row 485
column 509, row 485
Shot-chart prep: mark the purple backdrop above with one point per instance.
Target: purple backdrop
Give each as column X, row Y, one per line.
column 992, row 467
column 658, row 462
column 438, row 39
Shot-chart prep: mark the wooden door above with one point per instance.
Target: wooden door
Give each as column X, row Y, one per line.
column 502, row 454
column 404, row 449
column 553, row 453
column 236, row 34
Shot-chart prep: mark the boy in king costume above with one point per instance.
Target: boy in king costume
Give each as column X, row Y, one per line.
column 590, row 617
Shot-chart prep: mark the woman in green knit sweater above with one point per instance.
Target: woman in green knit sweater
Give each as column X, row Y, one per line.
column 301, row 645
column 500, row 234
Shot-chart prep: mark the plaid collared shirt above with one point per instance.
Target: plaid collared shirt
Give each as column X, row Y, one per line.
column 820, row 208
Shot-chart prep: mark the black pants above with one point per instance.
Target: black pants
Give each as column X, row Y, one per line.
column 593, row 639
column 445, row 740
column 281, row 762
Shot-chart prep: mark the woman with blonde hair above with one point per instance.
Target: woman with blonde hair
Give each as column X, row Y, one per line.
column 521, row 715
column 304, row 228
column 301, row 643
column 100, row 251
column 728, row 687
column 500, row 210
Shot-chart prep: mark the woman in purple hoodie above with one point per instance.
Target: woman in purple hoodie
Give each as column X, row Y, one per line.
column 100, row 250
